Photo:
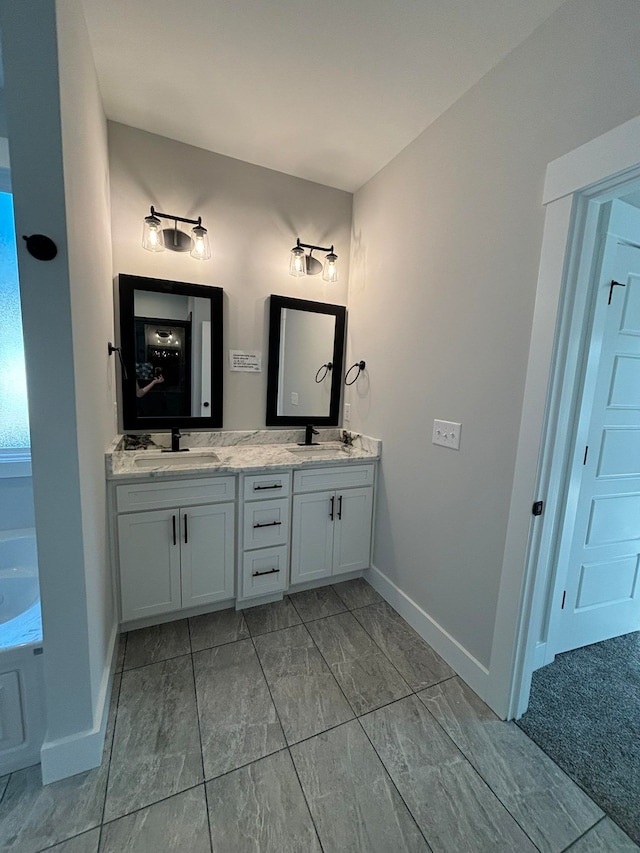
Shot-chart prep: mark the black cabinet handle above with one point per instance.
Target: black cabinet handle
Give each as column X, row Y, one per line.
column 268, row 524
column 340, row 507
column 269, row 572
column 173, row 518
column 331, row 510
column 264, row 488
column 186, row 540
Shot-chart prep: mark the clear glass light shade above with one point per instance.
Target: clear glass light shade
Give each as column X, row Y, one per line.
column 152, row 236
column 200, row 248
column 298, row 263
column 330, row 270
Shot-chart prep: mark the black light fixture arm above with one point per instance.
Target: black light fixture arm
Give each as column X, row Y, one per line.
column 157, row 213
column 305, row 245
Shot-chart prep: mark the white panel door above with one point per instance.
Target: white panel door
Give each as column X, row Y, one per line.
column 207, row 535
column 312, row 536
column 602, row 596
column 149, row 549
column 352, row 536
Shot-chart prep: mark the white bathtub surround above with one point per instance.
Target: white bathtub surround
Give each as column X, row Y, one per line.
column 22, row 718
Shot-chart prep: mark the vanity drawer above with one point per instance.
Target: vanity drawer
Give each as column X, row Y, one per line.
column 160, row 495
column 261, row 486
column 340, row 477
column 264, row 571
column 266, row 523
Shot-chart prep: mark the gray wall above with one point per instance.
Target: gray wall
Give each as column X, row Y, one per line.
column 445, row 253
column 58, row 152
column 253, row 216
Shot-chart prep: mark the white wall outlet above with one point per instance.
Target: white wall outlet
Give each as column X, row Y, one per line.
column 347, row 411
column 447, row 434
column 294, row 398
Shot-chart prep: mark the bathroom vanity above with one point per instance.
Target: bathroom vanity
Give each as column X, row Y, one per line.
column 231, row 522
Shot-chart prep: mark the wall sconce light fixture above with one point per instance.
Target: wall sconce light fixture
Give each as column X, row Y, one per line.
column 155, row 238
column 303, row 264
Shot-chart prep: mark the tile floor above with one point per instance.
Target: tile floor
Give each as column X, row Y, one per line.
column 319, row 723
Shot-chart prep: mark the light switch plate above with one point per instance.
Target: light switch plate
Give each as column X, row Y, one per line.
column 447, row 434
column 294, row 398
column 347, row 411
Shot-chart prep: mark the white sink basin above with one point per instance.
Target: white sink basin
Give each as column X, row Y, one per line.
column 318, row 451
column 187, row 459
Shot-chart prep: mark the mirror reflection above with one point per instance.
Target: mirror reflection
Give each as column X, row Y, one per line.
column 172, row 344
column 171, row 337
column 305, row 372
column 306, row 347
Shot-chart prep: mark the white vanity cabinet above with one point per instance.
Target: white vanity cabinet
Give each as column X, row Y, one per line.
column 331, row 521
column 265, row 513
column 176, row 545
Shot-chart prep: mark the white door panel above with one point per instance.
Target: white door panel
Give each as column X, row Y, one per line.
column 602, row 596
column 207, row 534
column 352, row 536
column 312, row 536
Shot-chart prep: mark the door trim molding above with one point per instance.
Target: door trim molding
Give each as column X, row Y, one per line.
column 576, row 185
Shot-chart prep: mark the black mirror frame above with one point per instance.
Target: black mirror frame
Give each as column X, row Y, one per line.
column 130, row 420
column 277, row 303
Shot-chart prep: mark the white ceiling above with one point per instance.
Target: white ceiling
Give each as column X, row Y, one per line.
column 328, row 90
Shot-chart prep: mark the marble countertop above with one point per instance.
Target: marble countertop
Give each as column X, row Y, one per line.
column 233, row 452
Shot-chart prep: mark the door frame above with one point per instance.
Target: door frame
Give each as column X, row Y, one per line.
column 576, row 186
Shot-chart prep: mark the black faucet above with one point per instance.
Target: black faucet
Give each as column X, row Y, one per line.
column 176, row 435
column 309, row 432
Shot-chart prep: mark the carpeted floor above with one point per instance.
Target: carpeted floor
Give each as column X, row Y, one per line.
column 584, row 712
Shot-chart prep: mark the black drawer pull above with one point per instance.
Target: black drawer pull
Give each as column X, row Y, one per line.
column 269, row 572
column 267, row 524
column 264, row 488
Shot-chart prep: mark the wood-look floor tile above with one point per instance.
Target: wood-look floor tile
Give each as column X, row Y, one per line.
column 85, row 843
column 364, row 674
column 551, row 808
column 415, row 660
column 606, row 837
column 216, row 629
column 156, row 747
column 174, row 825
column 306, row 695
column 317, row 603
column 238, row 721
column 357, row 593
column 354, row 804
column 271, row 617
column 261, row 809
column 455, row 809
column 159, row 642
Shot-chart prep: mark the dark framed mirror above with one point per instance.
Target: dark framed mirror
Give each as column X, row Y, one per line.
column 171, row 345
column 306, row 358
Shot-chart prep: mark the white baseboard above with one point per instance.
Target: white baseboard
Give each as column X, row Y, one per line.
column 470, row 670
column 83, row 750
column 539, row 659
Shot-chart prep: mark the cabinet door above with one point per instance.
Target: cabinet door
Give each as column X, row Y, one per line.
column 207, row 536
column 312, row 536
column 352, row 537
column 149, row 563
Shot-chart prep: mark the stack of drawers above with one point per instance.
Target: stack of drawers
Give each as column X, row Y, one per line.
column 265, row 515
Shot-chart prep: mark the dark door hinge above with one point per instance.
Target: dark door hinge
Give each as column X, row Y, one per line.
column 537, row 508
column 564, row 596
column 586, row 452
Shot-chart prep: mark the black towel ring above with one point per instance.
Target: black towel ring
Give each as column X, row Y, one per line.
column 327, row 367
column 360, row 365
